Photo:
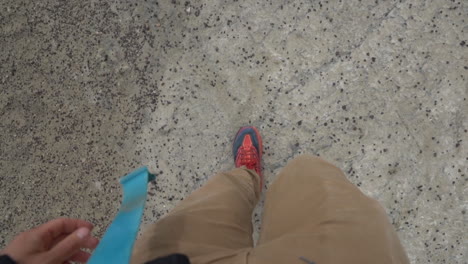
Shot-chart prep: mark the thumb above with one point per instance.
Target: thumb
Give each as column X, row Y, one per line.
column 66, row 248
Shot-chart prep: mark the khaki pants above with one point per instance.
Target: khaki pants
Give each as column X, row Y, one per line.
column 311, row 211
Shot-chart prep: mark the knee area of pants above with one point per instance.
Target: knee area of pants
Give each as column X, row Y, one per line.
column 374, row 206
column 311, row 160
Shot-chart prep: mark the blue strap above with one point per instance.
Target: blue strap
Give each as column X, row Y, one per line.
column 117, row 244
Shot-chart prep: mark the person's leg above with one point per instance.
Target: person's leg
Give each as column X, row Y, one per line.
column 213, row 223
column 314, row 214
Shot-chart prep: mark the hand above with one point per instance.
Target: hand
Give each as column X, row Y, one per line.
column 57, row 241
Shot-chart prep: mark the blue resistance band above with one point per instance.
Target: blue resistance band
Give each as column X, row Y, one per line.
column 117, row 244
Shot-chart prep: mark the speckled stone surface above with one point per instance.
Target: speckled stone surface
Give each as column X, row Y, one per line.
column 90, row 90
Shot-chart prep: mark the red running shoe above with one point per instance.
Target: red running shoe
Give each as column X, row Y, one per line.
column 247, row 150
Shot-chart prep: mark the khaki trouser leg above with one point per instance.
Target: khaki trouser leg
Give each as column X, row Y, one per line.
column 212, row 225
column 313, row 211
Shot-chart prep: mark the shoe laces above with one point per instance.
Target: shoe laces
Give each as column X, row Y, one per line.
column 248, row 156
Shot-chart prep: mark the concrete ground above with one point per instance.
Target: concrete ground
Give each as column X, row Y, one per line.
column 92, row 89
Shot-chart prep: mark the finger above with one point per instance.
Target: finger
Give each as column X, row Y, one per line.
column 49, row 231
column 69, row 246
column 91, row 243
column 57, row 240
column 80, row 256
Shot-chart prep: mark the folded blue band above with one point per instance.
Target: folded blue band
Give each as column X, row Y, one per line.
column 117, row 244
